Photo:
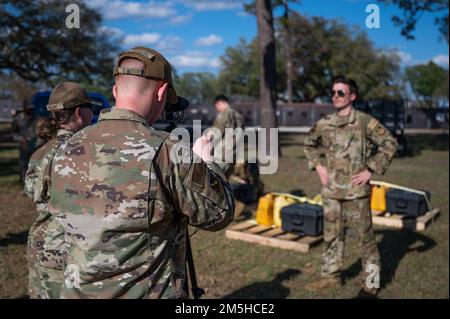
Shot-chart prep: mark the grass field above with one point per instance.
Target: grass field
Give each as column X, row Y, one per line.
column 414, row 265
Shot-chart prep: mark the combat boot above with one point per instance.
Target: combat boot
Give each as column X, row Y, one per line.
column 366, row 293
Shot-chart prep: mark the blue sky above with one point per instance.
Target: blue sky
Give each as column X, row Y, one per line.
column 193, row 34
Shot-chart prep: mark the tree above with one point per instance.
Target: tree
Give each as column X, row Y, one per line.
column 37, row 45
column 286, row 45
column 285, row 22
column 323, row 48
column 427, row 81
column 268, row 79
column 240, row 72
column 413, row 10
column 15, row 88
column 198, row 88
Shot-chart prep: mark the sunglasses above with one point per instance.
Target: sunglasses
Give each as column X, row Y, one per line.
column 340, row 93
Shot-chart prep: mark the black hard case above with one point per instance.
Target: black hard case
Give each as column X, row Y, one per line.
column 406, row 203
column 302, row 219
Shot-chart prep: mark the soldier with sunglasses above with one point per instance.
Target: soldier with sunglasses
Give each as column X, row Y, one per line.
column 348, row 138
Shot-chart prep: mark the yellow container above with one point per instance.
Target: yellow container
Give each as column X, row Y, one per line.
column 264, row 212
column 280, row 202
column 317, row 200
column 378, row 198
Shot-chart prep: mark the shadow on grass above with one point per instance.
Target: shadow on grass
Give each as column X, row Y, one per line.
column 266, row 289
column 394, row 246
column 14, row 239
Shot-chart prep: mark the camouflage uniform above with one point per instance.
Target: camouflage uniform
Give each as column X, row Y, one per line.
column 24, row 128
column 348, row 143
column 46, row 249
column 45, row 239
column 124, row 206
column 230, row 118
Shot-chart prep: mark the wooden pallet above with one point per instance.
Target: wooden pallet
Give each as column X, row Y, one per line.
column 401, row 221
column 251, row 232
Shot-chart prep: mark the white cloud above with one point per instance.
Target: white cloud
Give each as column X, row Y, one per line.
column 195, row 60
column 181, row 19
column 243, row 14
column 112, row 31
column 117, row 9
column 210, row 40
column 141, row 39
column 212, row 5
column 442, row 60
column 405, row 57
column 170, row 44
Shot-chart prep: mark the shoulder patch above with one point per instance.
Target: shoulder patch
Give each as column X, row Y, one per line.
column 373, row 123
column 381, row 131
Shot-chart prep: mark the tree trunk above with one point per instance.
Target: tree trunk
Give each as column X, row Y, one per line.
column 267, row 66
column 288, row 54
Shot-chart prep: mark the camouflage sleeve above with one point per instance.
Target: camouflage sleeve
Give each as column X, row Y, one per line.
column 240, row 120
column 37, row 177
column 220, row 123
column 31, row 177
column 199, row 190
column 311, row 145
column 387, row 146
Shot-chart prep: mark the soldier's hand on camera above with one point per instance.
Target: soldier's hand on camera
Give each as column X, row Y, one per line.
column 323, row 174
column 202, row 147
column 361, row 178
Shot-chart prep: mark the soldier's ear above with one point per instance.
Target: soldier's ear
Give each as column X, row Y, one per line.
column 114, row 91
column 162, row 92
column 77, row 113
column 353, row 97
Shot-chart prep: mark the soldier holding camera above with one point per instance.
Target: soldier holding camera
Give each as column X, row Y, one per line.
column 123, row 200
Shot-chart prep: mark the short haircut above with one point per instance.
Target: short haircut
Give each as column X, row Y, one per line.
column 133, row 83
column 344, row 80
column 221, row 98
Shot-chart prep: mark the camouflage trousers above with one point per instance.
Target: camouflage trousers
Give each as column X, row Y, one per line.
column 43, row 282
column 341, row 215
column 45, row 253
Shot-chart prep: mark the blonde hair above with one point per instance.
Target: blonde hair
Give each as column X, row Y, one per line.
column 47, row 128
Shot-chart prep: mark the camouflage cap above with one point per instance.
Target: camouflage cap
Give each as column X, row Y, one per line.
column 155, row 67
column 67, row 95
